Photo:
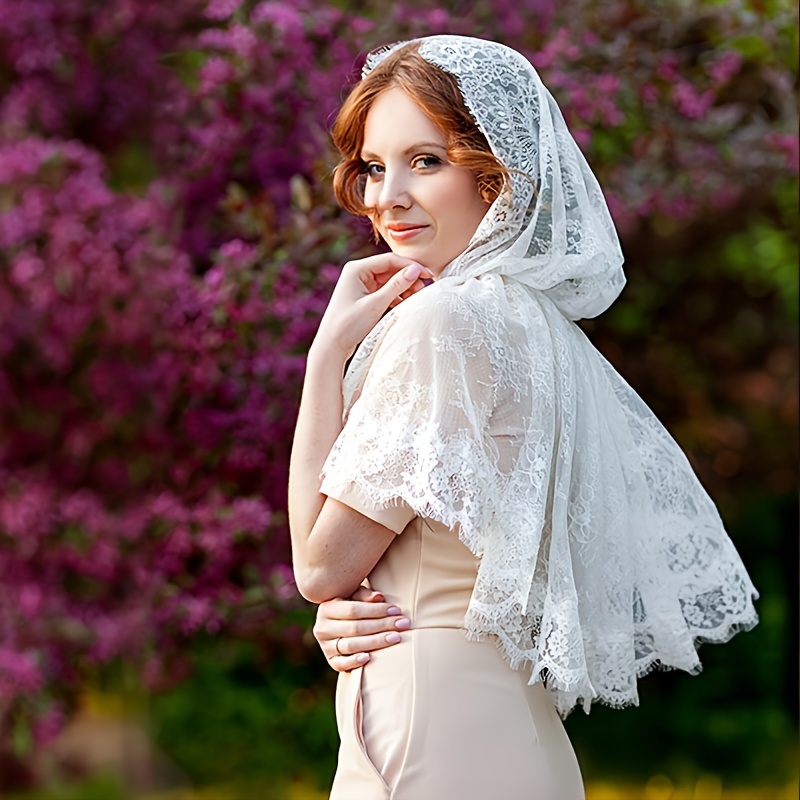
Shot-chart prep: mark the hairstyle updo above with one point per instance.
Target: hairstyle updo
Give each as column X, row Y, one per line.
column 436, row 92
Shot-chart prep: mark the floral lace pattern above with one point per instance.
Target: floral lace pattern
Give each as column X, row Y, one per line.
column 480, row 404
column 551, row 229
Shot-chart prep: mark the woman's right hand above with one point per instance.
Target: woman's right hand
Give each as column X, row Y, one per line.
column 359, row 625
column 365, row 289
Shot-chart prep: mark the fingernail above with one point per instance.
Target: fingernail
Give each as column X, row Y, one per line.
column 402, row 624
column 412, row 272
column 393, row 611
column 393, row 638
column 427, row 281
column 362, row 658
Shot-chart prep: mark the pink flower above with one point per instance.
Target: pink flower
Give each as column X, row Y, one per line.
column 649, row 94
column 438, row 19
column 26, row 267
column 49, row 725
column 722, row 69
column 668, row 67
column 237, row 252
column 243, row 41
column 216, row 72
column 19, row 672
column 222, row 9
column 282, row 15
column 582, row 136
column 788, row 144
column 690, row 102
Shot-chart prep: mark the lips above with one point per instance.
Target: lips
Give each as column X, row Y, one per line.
column 401, row 232
column 400, row 227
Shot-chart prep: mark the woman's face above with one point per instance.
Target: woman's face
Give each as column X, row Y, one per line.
column 424, row 207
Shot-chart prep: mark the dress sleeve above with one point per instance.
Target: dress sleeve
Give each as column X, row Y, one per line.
column 415, row 437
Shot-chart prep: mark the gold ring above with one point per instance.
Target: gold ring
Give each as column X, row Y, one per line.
column 338, row 651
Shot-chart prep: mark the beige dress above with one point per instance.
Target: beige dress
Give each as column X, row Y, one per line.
column 438, row 717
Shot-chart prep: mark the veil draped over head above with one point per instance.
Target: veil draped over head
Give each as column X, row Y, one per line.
column 479, row 403
column 552, row 231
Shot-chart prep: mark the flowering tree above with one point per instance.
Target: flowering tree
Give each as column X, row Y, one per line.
column 168, row 240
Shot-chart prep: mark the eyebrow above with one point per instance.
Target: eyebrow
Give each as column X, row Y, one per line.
column 366, row 154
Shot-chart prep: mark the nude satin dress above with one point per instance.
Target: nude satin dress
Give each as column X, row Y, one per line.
column 439, row 717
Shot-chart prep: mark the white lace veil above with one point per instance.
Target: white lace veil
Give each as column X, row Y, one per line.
column 480, row 404
column 552, row 231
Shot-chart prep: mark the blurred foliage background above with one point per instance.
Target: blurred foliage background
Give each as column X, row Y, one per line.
column 168, row 240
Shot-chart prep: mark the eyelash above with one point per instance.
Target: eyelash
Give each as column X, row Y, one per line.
column 366, row 169
column 433, row 161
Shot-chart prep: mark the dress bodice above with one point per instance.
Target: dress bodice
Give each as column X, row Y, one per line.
column 428, row 573
column 424, row 718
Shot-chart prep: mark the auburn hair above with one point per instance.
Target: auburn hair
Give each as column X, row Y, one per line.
column 436, row 92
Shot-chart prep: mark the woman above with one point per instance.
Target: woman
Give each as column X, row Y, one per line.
column 493, row 476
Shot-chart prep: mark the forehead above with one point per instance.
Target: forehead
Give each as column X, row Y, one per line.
column 395, row 122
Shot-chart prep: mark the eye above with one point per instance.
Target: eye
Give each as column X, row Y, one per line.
column 426, row 161
column 372, row 169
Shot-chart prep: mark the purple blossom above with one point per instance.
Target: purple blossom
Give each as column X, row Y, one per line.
column 153, row 334
column 723, row 68
column 789, row 145
column 237, row 39
column 285, row 17
column 691, row 102
column 237, row 252
column 19, row 673
column 222, row 9
column 649, row 94
column 216, row 72
column 49, row 725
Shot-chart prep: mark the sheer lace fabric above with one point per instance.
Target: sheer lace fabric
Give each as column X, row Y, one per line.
column 478, row 404
column 551, row 230
column 481, row 404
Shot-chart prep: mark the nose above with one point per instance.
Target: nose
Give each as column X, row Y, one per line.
column 394, row 191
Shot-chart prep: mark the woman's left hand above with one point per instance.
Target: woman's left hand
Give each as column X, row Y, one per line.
column 349, row 629
column 365, row 289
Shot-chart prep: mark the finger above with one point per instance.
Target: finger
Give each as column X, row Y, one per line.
column 366, row 595
column 399, row 283
column 352, row 646
column 415, row 287
column 329, row 630
column 357, row 650
column 383, row 263
column 343, row 631
column 399, row 299
column 347, row 663
column 356, row 629
column 380, row 275
column 368, row 644
column 358, row 609
column 375, row 271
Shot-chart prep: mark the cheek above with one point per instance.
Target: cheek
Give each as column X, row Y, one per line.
column 370, row 196
column 460, row 204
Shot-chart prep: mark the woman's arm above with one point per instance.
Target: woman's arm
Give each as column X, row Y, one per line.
column 335, row 547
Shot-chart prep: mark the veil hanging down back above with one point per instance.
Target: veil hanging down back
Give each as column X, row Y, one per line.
column 480, row 403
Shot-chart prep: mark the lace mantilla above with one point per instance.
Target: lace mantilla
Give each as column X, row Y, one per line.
column 551, row 230
column 480, row 404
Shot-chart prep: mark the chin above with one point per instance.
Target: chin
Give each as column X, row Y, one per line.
column 422, row 257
